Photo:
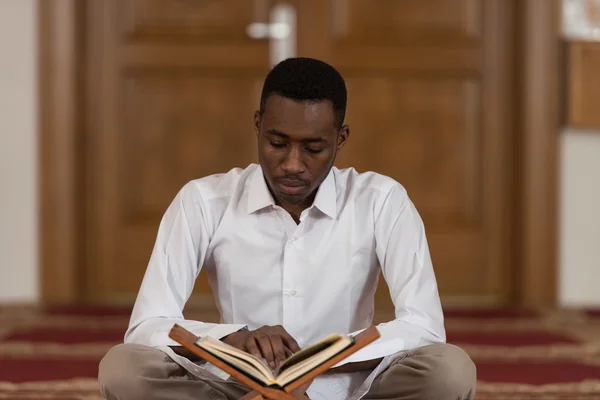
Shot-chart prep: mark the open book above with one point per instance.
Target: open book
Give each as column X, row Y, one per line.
column 296, row 366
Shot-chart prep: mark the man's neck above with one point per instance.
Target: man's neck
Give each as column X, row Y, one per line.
column 295, row 210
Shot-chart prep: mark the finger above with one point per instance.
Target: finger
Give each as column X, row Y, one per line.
column 288, row 352
column 264, row 343
column 252, row 347
column 289, row 341
column 278, row 349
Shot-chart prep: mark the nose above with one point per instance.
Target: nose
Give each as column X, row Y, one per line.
column 293, row 163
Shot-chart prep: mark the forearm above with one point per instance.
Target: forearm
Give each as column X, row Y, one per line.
column 154, row 331
column 357, row 366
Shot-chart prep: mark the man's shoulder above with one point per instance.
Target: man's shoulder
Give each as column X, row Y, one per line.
column 222, row 184
column 369, row 190
column 368, row 182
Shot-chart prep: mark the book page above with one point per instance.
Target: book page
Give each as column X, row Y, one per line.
column 241, row 366
column 295, row 371
column 209, row 344
column 309, row 351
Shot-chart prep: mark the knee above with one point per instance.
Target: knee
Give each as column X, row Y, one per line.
column 125, row 369
column 451, row 375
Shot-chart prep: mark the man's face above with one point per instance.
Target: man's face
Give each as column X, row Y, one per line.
column 297, row 145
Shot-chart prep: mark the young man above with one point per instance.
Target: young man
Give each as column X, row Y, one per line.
column 293, row 248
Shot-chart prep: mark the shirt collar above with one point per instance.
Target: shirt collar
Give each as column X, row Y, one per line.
column 260, row 197
column 326, row 198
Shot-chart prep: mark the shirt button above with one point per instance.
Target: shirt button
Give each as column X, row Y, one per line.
column 291, row 292
column 293, row 240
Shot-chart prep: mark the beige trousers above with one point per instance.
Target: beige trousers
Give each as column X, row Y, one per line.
column 131, row 372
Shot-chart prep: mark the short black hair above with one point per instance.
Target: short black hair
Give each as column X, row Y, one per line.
column 306, row 79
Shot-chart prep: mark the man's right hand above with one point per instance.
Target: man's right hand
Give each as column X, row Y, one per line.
column 273, row 343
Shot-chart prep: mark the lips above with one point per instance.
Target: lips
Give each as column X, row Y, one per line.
column 291, row 187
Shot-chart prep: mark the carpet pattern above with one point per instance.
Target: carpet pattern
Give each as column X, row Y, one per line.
column 53, row 353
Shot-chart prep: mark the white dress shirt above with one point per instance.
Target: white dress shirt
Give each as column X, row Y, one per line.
column 314, row 278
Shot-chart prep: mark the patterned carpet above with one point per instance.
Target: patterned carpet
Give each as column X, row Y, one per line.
column 53, row 353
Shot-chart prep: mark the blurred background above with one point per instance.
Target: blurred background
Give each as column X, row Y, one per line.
column 487, row 111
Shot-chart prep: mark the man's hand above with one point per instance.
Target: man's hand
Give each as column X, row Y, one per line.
column 272, row 343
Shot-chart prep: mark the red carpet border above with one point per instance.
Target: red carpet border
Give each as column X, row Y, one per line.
column 53, row 353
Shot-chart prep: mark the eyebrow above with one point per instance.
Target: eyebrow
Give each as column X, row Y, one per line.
column 284, row 136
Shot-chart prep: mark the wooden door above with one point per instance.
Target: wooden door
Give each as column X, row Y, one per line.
column 429, row 85
column 172, row 87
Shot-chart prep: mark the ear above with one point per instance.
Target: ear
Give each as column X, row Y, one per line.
column 343, row 136
column 257, row 122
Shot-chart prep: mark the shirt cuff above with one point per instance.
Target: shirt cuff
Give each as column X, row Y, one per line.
column 158, row 339
column 222, row 330
column 378, row 349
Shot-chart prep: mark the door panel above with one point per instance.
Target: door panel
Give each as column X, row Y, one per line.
column 172, row 130
column 429, row 86
column 428, row 105
column 395, row 21
column 184, row 20
column 165, row 79
column 425, row 131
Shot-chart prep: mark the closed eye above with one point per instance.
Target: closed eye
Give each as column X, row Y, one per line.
column 313, row 150
column 278, row 145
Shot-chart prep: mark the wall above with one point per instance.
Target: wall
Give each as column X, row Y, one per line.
column 18, row 134
column 580, row 158
column 580, row 218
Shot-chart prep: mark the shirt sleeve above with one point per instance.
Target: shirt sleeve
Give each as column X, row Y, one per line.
column 176, row 260
column 405, row 261
column 403, row 253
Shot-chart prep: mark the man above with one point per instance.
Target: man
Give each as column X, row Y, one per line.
column 293, row 248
